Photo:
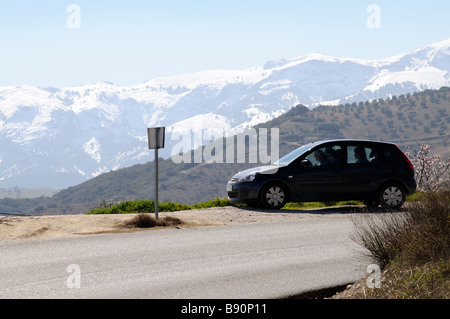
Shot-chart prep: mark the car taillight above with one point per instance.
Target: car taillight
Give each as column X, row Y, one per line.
column 411, row 166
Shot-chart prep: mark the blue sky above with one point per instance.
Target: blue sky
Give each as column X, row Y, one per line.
column 129, row 42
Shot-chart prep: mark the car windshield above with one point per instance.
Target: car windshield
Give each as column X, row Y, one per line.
column 290, row 157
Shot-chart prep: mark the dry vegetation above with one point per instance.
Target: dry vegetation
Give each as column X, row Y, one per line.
column 412, row 248
column 147, row 221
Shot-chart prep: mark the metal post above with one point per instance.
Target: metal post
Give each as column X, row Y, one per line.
column 156, row 138
column 156, row 183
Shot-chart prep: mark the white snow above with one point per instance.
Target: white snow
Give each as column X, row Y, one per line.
column 209, row 125
column 92, row 147
column 429, row 77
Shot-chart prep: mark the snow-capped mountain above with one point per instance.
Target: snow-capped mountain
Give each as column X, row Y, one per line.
column 60, row 137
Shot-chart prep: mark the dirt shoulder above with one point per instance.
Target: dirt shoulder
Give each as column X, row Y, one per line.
column 72, row 225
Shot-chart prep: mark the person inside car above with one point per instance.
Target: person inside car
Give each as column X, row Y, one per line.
column 360, row 155
column 321, row 158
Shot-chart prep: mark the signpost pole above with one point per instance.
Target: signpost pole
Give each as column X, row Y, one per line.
column 156, row 137
column 156, row 183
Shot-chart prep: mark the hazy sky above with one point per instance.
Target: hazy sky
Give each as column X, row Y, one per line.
column 67, row 43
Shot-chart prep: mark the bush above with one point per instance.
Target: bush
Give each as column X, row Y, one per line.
column 148, row 221
column 413, row 247
column 429, row 229
column 417, row 236
column 381, row 234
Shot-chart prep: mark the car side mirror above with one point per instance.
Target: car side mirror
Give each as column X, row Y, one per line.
column 305, row 163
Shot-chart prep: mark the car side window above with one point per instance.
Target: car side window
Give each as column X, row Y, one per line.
column 329, row 155
column 357, row 154
column 388, row 154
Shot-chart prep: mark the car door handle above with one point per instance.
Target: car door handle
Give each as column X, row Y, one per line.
column 336, row 171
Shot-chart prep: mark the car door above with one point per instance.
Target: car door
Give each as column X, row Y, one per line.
column 318, row 174
column 362, row 170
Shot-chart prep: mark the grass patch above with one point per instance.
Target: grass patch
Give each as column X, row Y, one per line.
column 217, row 202
column 306, row 205
column 413, row 247
column 148, row 206
column 417, row 196
column 400, row 281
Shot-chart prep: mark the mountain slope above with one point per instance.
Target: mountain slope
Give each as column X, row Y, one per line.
column 61, row 137
column 406, row 120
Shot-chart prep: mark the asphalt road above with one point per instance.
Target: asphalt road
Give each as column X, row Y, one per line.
column 245, row 261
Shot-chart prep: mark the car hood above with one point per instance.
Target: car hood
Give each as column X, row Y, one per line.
column 268, row 169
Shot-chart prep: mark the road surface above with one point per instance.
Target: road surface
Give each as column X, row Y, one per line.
column 239, row 261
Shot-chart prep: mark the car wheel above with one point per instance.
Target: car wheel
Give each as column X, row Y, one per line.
column 392, row 196
column 273, row 196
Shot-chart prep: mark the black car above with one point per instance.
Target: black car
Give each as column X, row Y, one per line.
column 378, row 173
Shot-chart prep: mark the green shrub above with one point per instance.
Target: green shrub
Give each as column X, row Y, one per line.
column 217, row 202
column 148, row 206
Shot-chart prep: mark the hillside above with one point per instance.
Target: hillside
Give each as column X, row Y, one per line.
column 406, row 120
column 409, row 119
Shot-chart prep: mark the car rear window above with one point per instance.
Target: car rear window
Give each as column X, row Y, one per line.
column 388, row 154
column 357, row 154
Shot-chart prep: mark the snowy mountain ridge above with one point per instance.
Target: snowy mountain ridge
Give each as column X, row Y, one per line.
column 57, row 138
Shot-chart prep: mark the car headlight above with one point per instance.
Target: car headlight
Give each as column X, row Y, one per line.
column 247, row 178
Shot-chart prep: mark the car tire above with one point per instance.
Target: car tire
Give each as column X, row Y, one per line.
column 273, row 196
column 392, row 196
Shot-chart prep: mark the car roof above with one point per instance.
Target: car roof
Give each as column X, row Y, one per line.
column 349, row 141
